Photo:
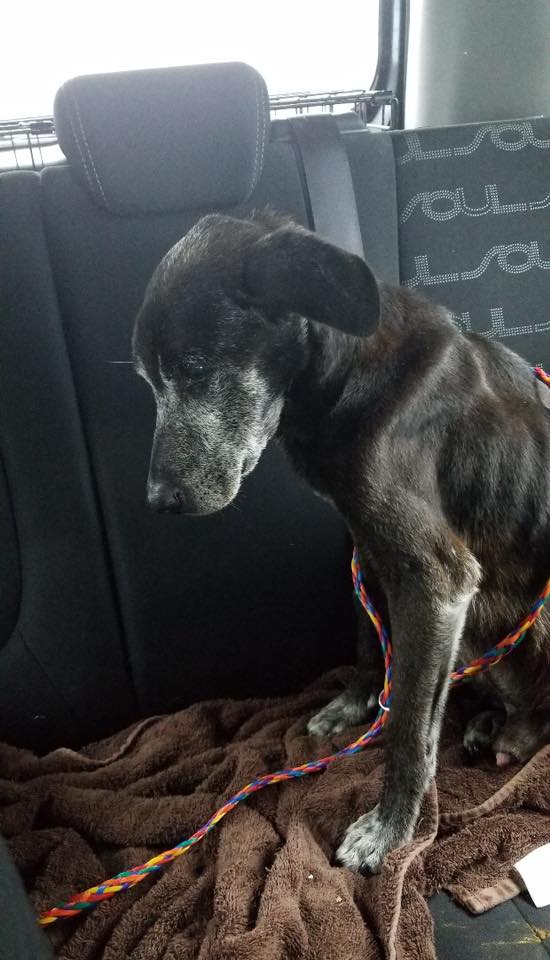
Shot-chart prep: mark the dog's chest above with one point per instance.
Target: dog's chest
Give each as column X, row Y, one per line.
column 323, row 464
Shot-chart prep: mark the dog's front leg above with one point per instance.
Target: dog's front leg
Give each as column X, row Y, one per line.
column 427, row 615
column 359, row 701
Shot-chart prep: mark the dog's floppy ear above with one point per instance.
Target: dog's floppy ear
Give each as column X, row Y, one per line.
column 293, row 271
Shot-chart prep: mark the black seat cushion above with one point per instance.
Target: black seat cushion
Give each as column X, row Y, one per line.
column 109, row 611
column 63, row 670
column 250, row 601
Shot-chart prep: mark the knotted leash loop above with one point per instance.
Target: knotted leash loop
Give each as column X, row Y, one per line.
column 129, row 878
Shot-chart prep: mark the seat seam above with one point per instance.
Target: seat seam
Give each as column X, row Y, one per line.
column 13, row 627
column 87, row 145
column 545, row 943
column 78, row 144
column 260, row 136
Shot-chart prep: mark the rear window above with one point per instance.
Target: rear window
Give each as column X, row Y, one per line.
column 297, row 47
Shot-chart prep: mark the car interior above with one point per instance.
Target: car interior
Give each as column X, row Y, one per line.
column 438, row 173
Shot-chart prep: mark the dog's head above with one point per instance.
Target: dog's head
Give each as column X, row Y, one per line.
column 220, row 337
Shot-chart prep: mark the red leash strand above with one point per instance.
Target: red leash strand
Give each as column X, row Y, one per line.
column 129, row 878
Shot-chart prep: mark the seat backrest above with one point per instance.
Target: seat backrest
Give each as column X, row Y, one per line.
column 254, row 600
column 474, row 226
column 59, row 624
column 109, row 611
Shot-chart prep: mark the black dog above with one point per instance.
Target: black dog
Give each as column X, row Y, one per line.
column 432, row 444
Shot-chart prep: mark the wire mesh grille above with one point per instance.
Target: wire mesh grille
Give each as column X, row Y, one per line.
column 28, row 144
column 31, row 143
column 363, row 102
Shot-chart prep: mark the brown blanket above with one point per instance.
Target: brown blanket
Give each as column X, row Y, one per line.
column 261, row 885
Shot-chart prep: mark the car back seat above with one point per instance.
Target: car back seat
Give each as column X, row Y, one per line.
column 108, row 612
column 474, row 226
column 113, row 612
column 252, row 601
column 59, row 631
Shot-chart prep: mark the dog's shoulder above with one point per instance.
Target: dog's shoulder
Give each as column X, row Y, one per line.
column 411, row 313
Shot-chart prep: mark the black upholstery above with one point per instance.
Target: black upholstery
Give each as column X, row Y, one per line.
column 474, row 226
column 515, row 929
column 107, row 611
column 252, row 601
column 22, row 938
column 10, row 563
column 60, row 630
column 163, row 140
column 327, row 184
column 217, row 604
column 373, row 174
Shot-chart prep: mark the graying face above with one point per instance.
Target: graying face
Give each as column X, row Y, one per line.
column 221, row 336
column 218, row 369
column 212, row 425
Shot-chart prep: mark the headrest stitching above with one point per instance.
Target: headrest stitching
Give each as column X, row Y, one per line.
column 265, row 120
column 77, row 141
column 257, row 147
column 98, row 181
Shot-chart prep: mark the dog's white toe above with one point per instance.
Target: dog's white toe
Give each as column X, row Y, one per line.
column 325, row 723
column 342, row 712
column 366, row 843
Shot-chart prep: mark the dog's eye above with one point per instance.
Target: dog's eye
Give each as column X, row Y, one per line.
column 194, row 369
column 184, row 370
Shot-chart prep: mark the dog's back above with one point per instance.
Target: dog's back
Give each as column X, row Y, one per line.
column 479, row 410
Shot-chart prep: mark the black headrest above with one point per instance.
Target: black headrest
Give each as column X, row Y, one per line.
column 158, row 140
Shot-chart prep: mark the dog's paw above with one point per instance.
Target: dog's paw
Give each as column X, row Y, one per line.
column 344, row 711
column 481, row 733
column 522, row 735
column 367, row 842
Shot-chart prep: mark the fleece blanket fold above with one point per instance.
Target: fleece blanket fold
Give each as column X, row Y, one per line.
column 262, row 885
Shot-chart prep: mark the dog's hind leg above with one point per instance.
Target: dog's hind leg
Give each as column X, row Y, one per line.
column 359, row 701
column 480, row 734
column 523, row 733
column 428, row 612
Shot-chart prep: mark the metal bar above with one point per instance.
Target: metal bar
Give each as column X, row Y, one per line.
column 303, row 100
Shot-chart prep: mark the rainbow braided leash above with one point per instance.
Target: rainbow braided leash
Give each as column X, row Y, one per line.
column 129, row 878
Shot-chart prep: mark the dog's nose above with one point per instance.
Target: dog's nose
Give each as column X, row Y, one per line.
column 164, row 498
